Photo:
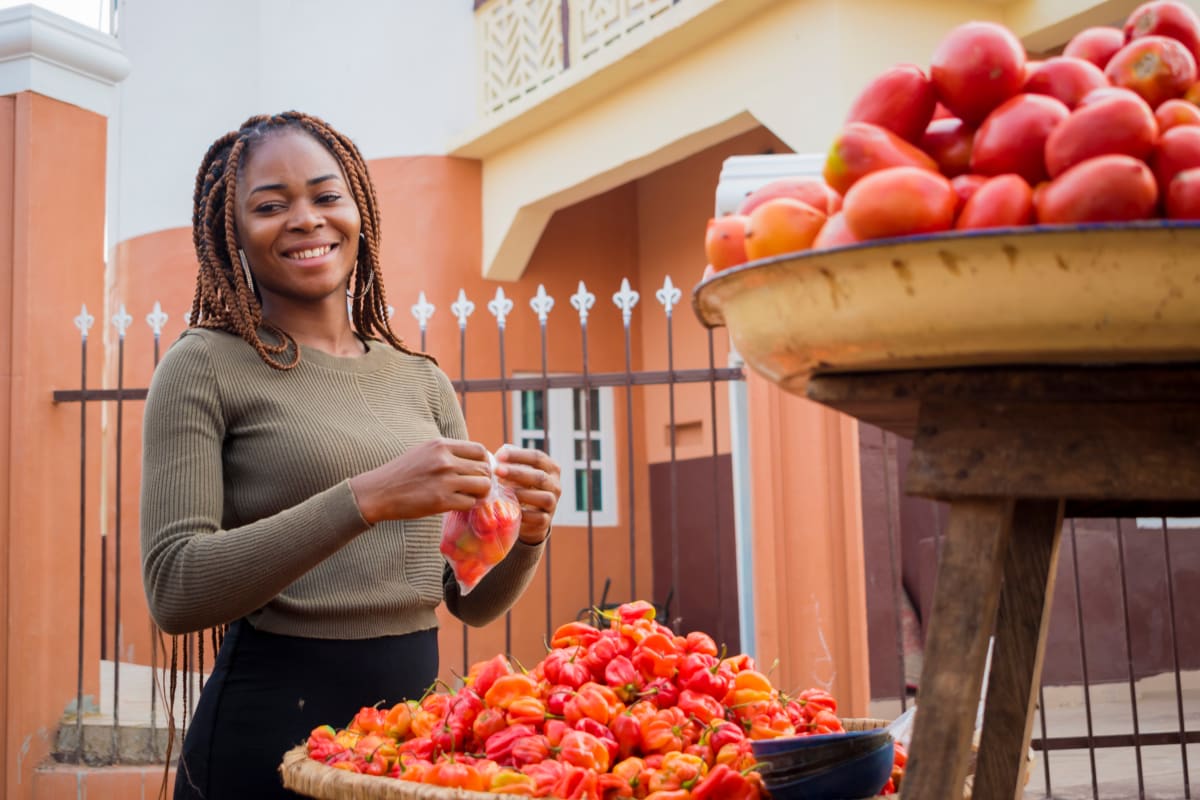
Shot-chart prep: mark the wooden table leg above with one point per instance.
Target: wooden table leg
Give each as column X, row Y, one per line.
column 1024, row 616
column 964, row 610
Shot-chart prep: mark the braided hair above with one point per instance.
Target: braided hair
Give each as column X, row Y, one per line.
column 223, row 298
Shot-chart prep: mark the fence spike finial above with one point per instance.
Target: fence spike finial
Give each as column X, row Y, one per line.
column 423, row 311
column 625, row 300
column 84, row 321
column 582, row 301
column 462, row 308
column 668, row 295
column 121, row 320
column 542, row 303
column 156, row 319
column 500, row 306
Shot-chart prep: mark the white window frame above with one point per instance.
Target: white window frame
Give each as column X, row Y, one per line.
column 1173, row 523
column 562, row 437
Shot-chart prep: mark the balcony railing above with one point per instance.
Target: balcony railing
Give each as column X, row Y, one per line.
column 525, row 44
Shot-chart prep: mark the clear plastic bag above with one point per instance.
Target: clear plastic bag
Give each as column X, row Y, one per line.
column 475, row 541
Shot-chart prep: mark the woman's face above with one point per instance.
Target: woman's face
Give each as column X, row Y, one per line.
column 296, row 221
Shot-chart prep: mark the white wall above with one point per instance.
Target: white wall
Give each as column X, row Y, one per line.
column 397, row 76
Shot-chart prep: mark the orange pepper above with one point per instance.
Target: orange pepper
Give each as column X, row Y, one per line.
column 678, row 771
column 508, row 688
column 571, row 634
column 594, row 701
column 454, row 774
column 398, row 720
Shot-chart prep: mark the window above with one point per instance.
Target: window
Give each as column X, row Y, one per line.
column 581, row 441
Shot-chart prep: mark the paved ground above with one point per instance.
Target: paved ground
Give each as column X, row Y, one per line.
column 1115, row 769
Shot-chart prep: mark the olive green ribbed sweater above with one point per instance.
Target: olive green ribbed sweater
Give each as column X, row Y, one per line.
column 246, row 506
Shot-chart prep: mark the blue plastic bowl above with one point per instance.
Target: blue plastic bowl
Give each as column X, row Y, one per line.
column 853, row 779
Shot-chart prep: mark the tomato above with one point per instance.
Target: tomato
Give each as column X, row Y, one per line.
column 1176, row 112
column 1183, row 195
column 1155, row 67
column 1013, row 137
column 949, row 142
column 1177, row 150
column 1096, row 45
column 862, row 148
column 965, row 186
column 977, row 67
column 898, row 202
column 809, row 189
column 902, row 100
column 1065, row 78
column 782, row 225
column 1107, row 121
column 1109, row 188
column 1165, row 18
column 834, row 233
column 725, row 241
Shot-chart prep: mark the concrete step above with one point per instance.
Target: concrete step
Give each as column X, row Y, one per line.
column 70, row 782
column 130, row 723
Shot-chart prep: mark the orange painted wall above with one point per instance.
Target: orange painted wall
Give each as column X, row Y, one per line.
column 51, row 243
column 674, row 204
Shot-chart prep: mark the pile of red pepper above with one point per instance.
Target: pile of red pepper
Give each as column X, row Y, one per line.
column 633, row 710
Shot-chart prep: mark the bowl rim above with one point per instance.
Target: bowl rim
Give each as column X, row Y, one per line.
column 924, row 238
column 764, row 746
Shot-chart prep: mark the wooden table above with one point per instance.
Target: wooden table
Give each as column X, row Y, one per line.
column 1013, row 450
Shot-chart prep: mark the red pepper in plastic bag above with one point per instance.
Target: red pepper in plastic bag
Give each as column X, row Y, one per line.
column 475, row 541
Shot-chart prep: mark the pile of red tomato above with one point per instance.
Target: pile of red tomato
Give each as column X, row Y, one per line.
column 631, row 710
column 1107, row 132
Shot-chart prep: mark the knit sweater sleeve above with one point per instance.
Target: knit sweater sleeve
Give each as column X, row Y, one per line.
column 507, row 581
column 196, row 573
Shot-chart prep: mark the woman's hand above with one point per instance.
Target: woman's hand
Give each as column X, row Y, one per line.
column 431, row 478
column 536, row 479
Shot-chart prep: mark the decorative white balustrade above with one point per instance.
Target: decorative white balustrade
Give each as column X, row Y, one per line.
column 525, row 44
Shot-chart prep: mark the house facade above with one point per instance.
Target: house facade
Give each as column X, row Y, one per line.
column 520, row 149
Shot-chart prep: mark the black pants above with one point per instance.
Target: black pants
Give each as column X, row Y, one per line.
column 267, row 692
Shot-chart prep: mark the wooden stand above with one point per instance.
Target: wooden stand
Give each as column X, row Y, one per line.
column 1013, row 450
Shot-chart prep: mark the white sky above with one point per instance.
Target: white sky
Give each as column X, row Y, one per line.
column 93, row 13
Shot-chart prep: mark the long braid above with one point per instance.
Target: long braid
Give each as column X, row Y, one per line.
column 223, row 299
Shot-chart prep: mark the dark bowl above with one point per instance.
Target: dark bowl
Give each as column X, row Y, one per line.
column 855, row 778
column 800, row 755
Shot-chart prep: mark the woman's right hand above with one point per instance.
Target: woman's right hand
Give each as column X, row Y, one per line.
column 431, row 478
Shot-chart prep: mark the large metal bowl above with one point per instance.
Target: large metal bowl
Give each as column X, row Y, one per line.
column 1126, row 293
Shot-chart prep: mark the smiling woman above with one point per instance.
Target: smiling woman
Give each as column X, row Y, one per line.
column 297, row 461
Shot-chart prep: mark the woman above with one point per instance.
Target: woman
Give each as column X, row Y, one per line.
column 297, row 461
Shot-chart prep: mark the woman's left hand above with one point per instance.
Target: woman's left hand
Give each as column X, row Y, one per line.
column 536, row 479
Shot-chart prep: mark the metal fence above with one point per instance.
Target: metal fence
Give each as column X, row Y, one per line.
column 1151, row 571
column 195, row 652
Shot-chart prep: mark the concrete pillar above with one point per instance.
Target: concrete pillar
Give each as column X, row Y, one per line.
column 810, row 591
column 57, row 89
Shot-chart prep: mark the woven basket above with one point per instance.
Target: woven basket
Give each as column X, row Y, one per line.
column 307, row 777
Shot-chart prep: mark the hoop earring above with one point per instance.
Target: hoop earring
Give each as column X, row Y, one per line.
column 362, row 242
column 366, row 288
column 246, row 270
